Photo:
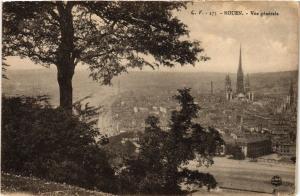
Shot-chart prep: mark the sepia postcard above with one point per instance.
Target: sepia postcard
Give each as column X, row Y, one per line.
column 149, row 98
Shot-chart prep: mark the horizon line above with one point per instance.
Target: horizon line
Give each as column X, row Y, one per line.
column 156, row 71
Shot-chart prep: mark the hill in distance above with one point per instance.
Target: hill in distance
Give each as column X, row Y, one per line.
column 43, row 81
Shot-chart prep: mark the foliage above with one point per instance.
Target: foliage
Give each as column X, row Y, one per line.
column 120, row 147
column 4, row 68
column 160, row 165
column 235, row 151
column 108, row 36
column 40, row 141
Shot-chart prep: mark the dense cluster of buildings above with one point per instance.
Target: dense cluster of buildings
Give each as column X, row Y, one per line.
column 258, row 133
column 251, row 122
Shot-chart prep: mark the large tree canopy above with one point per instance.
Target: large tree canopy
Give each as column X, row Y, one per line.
column 109, row 37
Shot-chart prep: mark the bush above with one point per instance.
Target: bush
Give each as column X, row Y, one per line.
column 38, row 140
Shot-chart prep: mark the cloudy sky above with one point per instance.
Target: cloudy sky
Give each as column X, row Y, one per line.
column 269, row 43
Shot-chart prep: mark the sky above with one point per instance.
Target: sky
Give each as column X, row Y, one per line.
column 269, row 43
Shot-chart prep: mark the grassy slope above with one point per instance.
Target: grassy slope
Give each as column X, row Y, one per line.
column 12, row 185
column 18, row 185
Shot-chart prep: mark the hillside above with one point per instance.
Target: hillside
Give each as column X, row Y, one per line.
column 18, row 185
column 277, row 82
column 43, row 81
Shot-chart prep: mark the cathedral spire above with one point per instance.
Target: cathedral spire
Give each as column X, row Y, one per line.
column 240, row 75
column 240, row 60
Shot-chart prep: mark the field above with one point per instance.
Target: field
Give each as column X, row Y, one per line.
column 252, row 176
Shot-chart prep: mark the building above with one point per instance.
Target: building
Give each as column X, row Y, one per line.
column 243, row 90
column 292, row 99
column 291, row 95
column 290, row 103
column 254, row 146
column 286, row 149
column 240, row 76
column 228, row 89
column 249, row 94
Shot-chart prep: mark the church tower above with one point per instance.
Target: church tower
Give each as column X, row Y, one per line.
column 291, row 96
column 248, row 92
column 247, row 84
column 240, row 76
column 228, row 89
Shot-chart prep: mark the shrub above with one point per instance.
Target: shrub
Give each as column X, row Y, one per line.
column 41, row 141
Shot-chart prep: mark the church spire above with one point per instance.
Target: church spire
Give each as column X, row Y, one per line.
column 240, row 75
column 240, row 69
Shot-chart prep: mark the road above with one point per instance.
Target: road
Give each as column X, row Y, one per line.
column 252, row 176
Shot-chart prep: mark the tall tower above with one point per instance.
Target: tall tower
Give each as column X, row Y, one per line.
column 291, row 95
column 248, row 92
column 211, row 88
column 247, row 84
column 240, row 76
column 228, row 89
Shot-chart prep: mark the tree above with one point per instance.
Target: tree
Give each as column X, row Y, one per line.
column 144, row 173
column 188, row 141
column 109, row 37
column 161, row 163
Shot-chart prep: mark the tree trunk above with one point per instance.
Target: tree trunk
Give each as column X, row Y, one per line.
column 64, row 78
column 65, row 65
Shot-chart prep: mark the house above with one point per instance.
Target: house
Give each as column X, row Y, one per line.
column 255, row 146
column 233, row 135
column 286, row 149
